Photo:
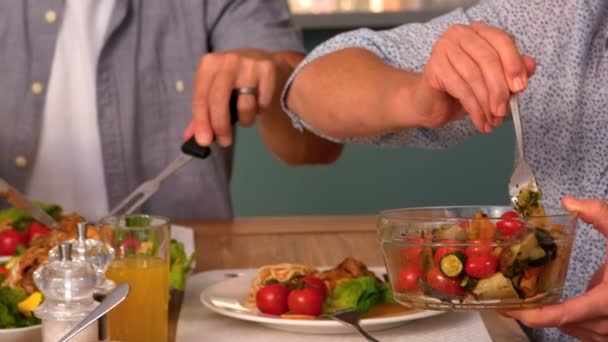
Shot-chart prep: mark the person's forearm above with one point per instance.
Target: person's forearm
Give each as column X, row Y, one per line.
column 353, row 93
column 288, row 144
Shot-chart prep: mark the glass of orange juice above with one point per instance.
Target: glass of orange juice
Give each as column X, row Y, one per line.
column 141, row 244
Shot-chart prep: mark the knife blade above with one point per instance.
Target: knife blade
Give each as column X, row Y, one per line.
column 19, row 201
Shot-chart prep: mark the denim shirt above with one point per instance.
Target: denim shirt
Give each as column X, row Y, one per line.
column 564, row 111
column 144, row 86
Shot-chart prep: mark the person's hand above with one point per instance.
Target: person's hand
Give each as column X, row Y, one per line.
column 472, row 69
column 218, row 74
column 584, row 317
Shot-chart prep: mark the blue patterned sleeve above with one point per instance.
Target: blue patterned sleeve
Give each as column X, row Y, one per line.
column 406, row 47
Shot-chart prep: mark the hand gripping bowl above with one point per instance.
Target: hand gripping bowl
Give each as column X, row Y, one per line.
column 469, row 258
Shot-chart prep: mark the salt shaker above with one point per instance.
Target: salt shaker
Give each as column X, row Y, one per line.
column 68, row 285
column 96, row 252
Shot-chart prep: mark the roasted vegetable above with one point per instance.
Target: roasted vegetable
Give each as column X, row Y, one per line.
column 468, row 283
column 452, row 232
column 452, row 264
column 528, row 203
column 554, row 272
column 536, row 249
column 528, row 285
column 495, row 287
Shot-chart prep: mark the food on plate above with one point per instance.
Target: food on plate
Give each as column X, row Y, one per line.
column 16, row 308
column 22, row 267
column 18, row 229
column 348, row 269
column 298, row 291
column 446, row 258
column 283, row 272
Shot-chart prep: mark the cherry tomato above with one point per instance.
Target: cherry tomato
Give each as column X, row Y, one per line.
column 443, row 250
column 440, row 282
column 272, row 299
column 509, row 227
column 413, row 254
column 3, row 271
column 306, row 301
column 36, row 229
column 509, row 215
column 481, row 265
column 479, row 246
column 130, row 244
column 408, row 278
column 316, row 283
column 10, row 239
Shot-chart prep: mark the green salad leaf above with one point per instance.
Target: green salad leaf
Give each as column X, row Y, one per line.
column 180, row 265
column 360, row 294
column 21, row 221
column 10, row 316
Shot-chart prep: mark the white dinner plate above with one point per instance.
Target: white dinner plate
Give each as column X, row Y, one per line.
column 228, row 297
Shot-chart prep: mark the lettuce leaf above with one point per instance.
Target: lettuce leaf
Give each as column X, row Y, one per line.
column 180, row 265
column 360, row 294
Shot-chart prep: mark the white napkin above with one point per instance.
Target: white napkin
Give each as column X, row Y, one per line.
column 197, row 323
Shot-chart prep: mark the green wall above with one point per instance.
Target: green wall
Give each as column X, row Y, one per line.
column 367, row 179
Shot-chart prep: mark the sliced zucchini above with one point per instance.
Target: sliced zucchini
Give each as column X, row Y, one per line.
column 452, row 264
column 495, row 287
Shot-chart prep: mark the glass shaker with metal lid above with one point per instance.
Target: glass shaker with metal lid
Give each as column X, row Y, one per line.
column 68, row 285
column 95, row 252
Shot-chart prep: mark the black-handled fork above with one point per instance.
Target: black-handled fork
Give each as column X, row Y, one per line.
column 190, row 149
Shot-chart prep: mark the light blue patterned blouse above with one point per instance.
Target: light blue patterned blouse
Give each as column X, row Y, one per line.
column 564, row 110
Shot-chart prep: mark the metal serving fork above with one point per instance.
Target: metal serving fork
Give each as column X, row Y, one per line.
column 190, row 149
column 522, row 176
column 351, row 318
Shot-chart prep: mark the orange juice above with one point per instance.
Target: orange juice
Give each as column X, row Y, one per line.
column 143, row 316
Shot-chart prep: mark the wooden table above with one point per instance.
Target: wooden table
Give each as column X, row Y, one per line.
column 324, row 241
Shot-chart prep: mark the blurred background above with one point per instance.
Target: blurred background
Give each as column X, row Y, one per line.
column 366, row 179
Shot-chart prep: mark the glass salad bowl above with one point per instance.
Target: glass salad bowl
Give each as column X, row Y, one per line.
column 475, row 257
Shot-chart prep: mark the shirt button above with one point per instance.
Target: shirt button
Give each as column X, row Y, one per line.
column 179, row 86
column 37, row 88
column 21, row 161
column 50, row 16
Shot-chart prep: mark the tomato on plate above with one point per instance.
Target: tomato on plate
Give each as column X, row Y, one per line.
column 408, row 278
column 314, row 282
column 305, row 301
column 441, row 282
column 36, row 229
column 3, row 271
column 272, row 299
column 10, row 239
column 479, row 246
column 481, row 265
column 443, row 250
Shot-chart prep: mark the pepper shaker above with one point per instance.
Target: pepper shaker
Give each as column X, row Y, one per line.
column 68, row 285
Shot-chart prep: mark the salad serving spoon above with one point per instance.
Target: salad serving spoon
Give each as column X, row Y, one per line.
column 523, row 176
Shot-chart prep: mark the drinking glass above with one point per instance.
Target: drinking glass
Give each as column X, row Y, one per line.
column 141, row 244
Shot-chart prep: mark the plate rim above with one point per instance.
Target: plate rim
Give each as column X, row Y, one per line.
column 204, row 298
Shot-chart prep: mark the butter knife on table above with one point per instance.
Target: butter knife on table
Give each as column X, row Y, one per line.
column 19, row 201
